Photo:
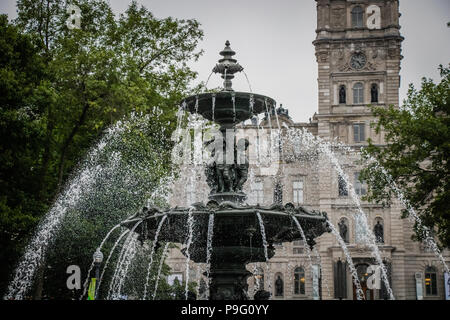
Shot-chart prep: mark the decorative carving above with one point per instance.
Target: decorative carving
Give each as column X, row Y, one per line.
column 338, row 17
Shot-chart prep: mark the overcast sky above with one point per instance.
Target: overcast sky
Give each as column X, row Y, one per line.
column 273, row 41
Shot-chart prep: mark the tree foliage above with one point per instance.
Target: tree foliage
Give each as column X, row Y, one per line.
column 417, row 155
column 60, row 89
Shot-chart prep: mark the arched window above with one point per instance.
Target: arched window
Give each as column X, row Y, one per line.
column 374, row 93
column 342, row 94
column 358, row 93
column 430, row 281
column 299, row 280
column 357, row 17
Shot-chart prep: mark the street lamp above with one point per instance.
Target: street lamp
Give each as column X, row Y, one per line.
column 98, row 259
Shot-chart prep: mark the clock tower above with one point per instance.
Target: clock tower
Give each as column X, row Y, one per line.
column 358, row 50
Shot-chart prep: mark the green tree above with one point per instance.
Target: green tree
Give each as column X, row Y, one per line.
column 61, row 89
column 21, row 131
column 416, row 155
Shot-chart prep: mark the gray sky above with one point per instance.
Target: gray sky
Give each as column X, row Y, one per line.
column 273, row 41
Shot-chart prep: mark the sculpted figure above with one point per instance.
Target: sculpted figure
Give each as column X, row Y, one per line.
column 210, row 170
column 279, row 287
column 242, row 164
column 343, row 230
column 379, row 234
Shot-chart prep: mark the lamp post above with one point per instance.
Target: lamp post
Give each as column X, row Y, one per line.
column 98, row 259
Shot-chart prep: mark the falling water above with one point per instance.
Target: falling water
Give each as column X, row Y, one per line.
column 428, row 239
column 85, row 285
column 370, row 239
column 49, row 226
column 265, row 245
column 161, row 262
column 206, row 84
column 233, row 99
column 305, row 244
column 213, row 106
column 109, row 258
column 152, row 252
column 263, row 235
column 306, row 247
column 325, row 148
column 268, row 118
column 248, row 82
column 251, row 103
column 359, row 292
column 319, row 259
column 126, row 254
column 122, row 269
column 190, row 223
column 209, row 252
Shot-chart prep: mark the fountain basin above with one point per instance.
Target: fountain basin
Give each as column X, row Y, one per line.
column 237, row 232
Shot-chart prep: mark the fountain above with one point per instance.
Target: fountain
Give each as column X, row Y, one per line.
column 234, row 223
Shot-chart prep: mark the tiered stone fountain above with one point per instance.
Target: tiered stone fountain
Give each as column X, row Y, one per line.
column 238, row 227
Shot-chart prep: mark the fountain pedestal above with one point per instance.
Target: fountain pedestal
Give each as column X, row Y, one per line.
column 229, row 282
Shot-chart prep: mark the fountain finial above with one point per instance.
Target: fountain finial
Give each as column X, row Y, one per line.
column 227, row 66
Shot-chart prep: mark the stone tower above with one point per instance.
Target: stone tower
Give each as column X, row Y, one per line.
column 358, row 50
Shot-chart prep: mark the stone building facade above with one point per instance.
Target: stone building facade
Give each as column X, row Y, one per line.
column 358, row 51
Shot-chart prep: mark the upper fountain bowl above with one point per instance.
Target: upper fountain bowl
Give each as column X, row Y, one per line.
column 228, row 108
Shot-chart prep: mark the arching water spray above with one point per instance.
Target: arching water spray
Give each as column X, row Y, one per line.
column 161, row 262
column 152, row 252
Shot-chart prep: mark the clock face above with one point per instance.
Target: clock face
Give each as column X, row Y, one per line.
column 358, row 61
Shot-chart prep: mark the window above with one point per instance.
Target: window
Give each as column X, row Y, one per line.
column 431, row 281
column 258, row 190
column 360, row 188
column 340, row 279
column 278, row 193
column 259, row 279
column 297, row 189
column 359, row 132
column 342, row 186
column 360, row 228
column 298, row 247
column 374, row 93
column 342, row 95
column 299, row 280
column 358, row 93
column 190, row 193
column 357, row 17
